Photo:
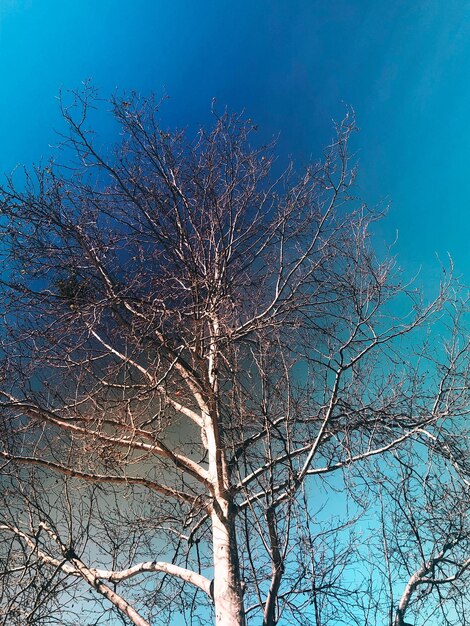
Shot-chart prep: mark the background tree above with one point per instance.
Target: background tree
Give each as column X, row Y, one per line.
column 186, row 340
column 425, row 540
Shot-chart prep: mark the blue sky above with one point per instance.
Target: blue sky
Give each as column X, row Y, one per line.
column 293, row 65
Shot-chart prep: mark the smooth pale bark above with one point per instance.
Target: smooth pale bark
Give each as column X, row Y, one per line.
column 193, row 578
column 119, row 602
column 406, row 597
column 227, row 589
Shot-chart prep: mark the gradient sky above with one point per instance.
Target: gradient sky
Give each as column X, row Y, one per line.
column 293, row 65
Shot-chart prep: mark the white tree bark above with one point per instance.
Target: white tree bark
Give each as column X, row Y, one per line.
column 227, row 588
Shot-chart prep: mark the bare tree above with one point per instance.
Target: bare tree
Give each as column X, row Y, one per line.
column 426, row 542
column 195, row 353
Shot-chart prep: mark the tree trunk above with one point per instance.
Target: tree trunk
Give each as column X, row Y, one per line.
column 227, row 589
column 406, row 597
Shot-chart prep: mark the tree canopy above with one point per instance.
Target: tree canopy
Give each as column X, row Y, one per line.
column 217, row 401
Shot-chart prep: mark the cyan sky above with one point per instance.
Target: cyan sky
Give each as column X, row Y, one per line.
column 293, row 65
